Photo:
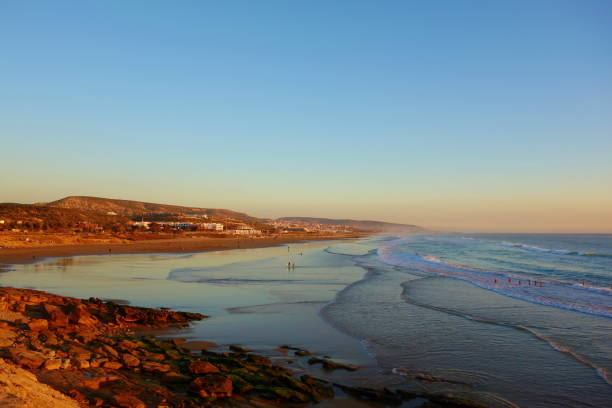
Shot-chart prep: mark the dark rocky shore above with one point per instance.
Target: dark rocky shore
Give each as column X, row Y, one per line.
column 87, row 350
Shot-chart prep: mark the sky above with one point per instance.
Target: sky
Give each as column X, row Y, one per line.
column 475, row 116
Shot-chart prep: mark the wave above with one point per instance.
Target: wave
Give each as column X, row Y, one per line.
column 534, row 248
column 565, row 295
column 601, row 372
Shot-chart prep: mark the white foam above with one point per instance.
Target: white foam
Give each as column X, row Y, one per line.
column 582, row 298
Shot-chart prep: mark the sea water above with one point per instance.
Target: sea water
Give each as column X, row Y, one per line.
column 519, row 320
column 524, row 317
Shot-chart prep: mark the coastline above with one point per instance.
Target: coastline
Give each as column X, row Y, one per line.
column 25, row 255
column 87, row 350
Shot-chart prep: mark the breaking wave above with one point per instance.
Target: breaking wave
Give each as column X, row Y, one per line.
column 534, row 248
column 565, row 295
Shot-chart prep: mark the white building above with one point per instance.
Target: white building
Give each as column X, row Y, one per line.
column 215, row 226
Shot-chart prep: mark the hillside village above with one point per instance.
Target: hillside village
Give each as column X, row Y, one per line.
column 77, row 219
column 88, row 219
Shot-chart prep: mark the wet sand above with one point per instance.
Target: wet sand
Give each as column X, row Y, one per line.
column 174, row 245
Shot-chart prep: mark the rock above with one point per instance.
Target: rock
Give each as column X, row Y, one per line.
column 81, row 316
column 81, row 363
column 239, row 349
column 178, row 341
column 212, row 385
column 113, row 365
column 128, row 401
column 106, row 349
column 202, row 367
column 290, row 395
column 96, row 383
column 173, row 377
column 38, row 324
column 259, row 360
column 85, row 336
column 127, row 345
column 26, row 358
column 55, row 315
column 53, row 364
column 152, row 366
column 302, row 353
column 331, row 365
column 7, row 337
column 130, row 360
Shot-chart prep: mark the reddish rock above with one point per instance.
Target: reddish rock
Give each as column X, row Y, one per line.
column 128, row 401
column 81, row 316
column 130, row 360
column 175, row 378
column 27, row 358
column 202, row 367
column 66, row 364
column 81, row 363
column 38, row 324
column 113, row 365
column 53, row 364
column 7, row 337
column 55, row 315
column 96, row 383
column 212, row 385
column 127, row 345
column 106, row 349
column 154, row 367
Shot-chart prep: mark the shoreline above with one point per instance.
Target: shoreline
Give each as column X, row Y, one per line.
column 26, row 255
column 88, row 351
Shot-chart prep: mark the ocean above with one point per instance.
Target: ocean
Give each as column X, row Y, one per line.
column 509, row 320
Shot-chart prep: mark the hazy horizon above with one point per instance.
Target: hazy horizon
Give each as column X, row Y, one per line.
column 457, row 116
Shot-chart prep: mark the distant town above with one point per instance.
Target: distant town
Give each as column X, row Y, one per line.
column 78, row 220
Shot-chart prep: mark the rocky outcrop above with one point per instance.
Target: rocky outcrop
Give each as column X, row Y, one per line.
column 87, row 350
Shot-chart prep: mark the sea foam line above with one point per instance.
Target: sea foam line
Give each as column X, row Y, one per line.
column 585, row 299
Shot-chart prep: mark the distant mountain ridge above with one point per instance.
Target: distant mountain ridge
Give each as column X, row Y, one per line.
column 129, row 208
column 365, row 225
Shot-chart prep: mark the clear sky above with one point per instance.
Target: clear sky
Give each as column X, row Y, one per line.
column 463, row 115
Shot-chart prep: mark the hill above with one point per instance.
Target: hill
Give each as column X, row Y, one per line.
column 377, row 226
column 53, row 217
column 129, row 208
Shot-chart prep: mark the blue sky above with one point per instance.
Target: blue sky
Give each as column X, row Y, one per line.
column 472, row 115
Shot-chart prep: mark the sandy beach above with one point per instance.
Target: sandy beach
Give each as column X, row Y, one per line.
column 172, row 245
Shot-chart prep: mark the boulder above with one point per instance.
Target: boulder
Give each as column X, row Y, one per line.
column 96, row 383
column 7, row 337
column 38, row 324
column 173, row 377
column 27, row 358
column 113, row 365
column 130, row 360
column 53, row 364
column 212, row 385
column 128, row 401
column 202, row 367
column 154, row 367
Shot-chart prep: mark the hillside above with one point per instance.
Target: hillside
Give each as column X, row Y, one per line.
column 52, row 216
column 377, row 226
column 130, row 208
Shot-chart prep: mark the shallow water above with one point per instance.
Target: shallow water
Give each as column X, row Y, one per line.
column 397, row 306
